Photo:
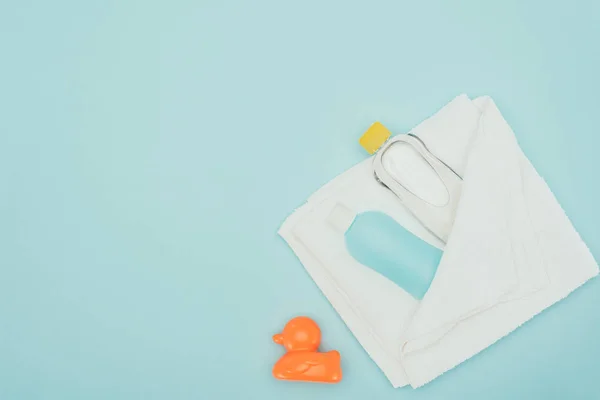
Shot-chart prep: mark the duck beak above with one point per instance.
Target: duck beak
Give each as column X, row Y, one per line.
column 278, row 338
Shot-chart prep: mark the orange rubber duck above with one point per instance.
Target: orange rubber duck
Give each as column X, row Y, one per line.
column 301, row 337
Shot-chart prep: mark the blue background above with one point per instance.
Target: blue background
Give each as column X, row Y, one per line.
column 150, row 150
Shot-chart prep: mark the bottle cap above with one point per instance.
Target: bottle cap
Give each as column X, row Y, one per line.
column 374, row 137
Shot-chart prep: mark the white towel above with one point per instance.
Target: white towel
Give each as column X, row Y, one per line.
column 512, row 251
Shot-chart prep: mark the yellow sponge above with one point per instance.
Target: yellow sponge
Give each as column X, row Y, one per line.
column 374, row 137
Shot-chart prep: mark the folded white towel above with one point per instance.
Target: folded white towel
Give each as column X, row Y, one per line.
column 512, row 251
